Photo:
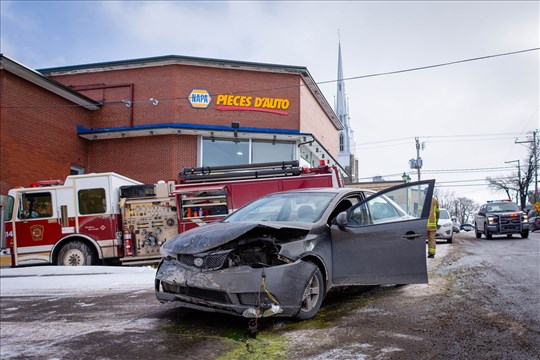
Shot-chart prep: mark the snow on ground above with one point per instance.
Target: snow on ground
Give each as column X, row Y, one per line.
column 66, row 280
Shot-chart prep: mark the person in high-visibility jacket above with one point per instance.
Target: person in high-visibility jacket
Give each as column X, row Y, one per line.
column 432, row 226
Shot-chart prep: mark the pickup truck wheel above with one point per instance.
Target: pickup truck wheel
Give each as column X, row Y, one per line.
column 478, row 234
column 487, row 234
column 525, row 234
column 313, row 296
column 75, row 253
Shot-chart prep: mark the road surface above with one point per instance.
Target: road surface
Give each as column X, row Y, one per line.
column 482, row 302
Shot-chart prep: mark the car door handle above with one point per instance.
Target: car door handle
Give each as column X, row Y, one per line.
column 411, row 236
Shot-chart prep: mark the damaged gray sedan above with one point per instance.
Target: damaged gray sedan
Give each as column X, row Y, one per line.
column 282, row 253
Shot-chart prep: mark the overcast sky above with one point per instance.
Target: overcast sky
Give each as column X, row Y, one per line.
column 468, row 114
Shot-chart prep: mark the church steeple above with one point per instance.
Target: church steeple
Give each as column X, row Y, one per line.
column 346, row 157
column 341, row 99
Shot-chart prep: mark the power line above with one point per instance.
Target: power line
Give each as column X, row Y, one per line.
column 433, row 66
column 301, row 85
column 446, row 138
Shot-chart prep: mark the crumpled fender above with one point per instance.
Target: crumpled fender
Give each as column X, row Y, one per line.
column 286, row 282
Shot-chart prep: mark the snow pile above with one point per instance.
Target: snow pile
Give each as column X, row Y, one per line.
column 55, row 280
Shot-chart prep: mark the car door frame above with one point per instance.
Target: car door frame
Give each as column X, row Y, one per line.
column 385, row 253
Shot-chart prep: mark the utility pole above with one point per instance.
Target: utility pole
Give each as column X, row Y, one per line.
column 535, row 167
column 535, row 154
column 417, row 164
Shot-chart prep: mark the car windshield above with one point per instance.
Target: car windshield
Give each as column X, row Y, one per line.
column 502, row 207
column 443, row 214
column 294, row 206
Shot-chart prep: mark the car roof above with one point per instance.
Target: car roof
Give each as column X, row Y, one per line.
column 344, row 190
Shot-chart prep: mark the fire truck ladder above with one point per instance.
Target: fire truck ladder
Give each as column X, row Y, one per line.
column 234, row 172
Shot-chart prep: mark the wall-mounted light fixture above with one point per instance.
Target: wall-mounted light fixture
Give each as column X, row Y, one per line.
column 154, row 101
column 235, row 125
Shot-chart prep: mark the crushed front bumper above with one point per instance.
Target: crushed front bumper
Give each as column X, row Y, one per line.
column 241, row 290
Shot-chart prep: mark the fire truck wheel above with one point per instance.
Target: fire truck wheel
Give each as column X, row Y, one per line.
column 75, row 253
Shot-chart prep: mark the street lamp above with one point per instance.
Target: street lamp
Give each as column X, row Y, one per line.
column 406, row 178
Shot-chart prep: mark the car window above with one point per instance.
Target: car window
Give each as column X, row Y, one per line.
column 501, row 207
column 344, row 205
column 443, row 214
column 393, row 206
column 35, row 205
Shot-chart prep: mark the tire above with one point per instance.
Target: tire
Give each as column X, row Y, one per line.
column 450, row 239
column 312, row 297
column 508, row 235
column 487, row 234
column 75, row 253
column 525, row 234
column 478, row 234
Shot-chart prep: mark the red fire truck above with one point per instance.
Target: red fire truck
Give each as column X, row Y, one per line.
column 106, row 218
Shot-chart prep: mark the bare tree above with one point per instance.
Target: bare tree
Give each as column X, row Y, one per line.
column 464, row 209
column 445, row 198
column 516, row 183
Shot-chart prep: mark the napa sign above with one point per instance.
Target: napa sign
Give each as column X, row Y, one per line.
column 231, row 102
column 200, row 98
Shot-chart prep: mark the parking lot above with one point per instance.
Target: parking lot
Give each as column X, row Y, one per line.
column 482, row 302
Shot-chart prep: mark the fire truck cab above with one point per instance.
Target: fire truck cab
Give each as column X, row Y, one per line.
column 76, row 222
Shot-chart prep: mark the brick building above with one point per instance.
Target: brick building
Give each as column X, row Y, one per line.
column 147, row 118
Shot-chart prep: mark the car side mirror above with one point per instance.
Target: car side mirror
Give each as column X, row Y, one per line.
column 341, row 218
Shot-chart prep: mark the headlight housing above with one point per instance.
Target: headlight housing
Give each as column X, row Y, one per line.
column 493, row 220
column 165, row 253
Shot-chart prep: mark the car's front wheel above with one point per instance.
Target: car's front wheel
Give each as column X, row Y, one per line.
column 478, row 233
column 525, row 234
column 312, row 297
column 450, row 239
column 487, row 234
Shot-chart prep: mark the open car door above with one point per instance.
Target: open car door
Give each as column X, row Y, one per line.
column 382, row 239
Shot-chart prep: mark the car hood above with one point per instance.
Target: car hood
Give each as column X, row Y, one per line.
column 210, row 236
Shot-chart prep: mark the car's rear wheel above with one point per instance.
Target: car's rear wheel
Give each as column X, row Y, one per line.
column 487, row 234
column 525, row 234
column 478, row 234
column 76, row 253
column 312, row 297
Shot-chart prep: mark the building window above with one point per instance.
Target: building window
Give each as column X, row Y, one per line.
column 76, row 170
column 270, row 151
column 341, row 142
column 217, row 152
